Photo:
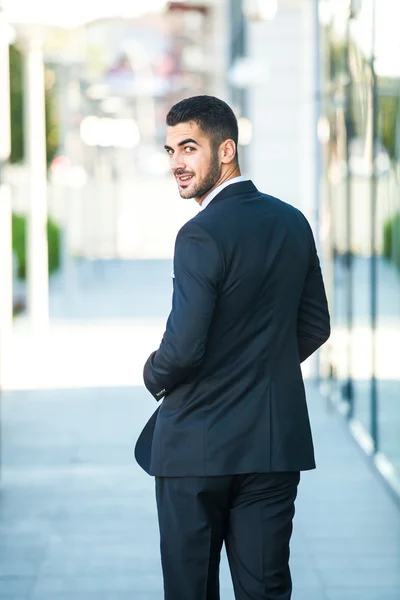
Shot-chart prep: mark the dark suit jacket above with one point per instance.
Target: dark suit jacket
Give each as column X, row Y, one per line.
column 248, row 307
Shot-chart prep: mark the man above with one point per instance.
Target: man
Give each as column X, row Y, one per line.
column 232, row 434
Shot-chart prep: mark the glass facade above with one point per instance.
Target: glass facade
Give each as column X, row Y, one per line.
column 361, row 218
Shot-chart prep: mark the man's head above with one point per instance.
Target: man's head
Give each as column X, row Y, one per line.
column 202, row 139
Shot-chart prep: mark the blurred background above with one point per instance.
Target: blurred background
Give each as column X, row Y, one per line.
column 88, row 219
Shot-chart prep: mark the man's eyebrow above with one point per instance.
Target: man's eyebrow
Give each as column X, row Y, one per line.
column 188, row 141
column 183, row 143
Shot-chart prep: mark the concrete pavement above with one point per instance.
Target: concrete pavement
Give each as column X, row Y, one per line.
column 78, row 519
column 77, row 515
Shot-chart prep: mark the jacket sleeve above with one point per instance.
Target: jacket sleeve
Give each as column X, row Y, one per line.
column 313, row 321
column 198, row 269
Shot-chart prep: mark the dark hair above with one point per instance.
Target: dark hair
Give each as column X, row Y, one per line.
column 215, row 118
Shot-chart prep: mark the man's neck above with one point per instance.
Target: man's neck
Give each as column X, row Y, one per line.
column 221, row 181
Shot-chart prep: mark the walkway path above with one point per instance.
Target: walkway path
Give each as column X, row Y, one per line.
column 77, row 516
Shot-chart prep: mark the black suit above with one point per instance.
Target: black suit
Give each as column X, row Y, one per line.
column 248, row 307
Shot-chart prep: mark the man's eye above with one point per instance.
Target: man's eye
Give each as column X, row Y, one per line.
column 170, row 152
column 189, row 149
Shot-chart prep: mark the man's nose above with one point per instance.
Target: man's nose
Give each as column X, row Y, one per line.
column 177, row 161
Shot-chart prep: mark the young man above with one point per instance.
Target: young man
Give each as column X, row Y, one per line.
column 232, row 434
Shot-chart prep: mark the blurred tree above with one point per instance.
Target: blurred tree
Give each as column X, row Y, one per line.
column 389, row 113
column 391, row 239
column 388, row 130
column 17, row 111
column 337, row 59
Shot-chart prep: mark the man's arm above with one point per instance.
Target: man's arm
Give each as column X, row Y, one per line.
column 313, row 322
column 198, row 270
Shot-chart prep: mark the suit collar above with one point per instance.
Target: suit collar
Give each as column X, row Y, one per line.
column 235, row 189
column 211, row 195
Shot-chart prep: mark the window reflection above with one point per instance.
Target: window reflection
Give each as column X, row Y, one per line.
column 362, row 158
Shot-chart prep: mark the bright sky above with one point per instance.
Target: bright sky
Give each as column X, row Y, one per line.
column 75, row 12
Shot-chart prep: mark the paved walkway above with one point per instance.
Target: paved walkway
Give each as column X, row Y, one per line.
column 78, row 519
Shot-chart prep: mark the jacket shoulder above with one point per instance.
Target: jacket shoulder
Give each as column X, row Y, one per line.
column 195, row 225
column 289, row 212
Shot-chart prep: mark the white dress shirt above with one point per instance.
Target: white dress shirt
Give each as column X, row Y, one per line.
column 217, row 190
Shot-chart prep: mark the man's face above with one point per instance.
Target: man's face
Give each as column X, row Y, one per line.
column 194, row 163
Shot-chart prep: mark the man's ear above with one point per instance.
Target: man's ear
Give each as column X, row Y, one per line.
column 228, row 151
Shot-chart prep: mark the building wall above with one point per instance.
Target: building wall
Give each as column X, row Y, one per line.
column 281, row 155
column 218, row 55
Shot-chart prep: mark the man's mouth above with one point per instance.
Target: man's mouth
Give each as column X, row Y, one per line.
column 183, row 179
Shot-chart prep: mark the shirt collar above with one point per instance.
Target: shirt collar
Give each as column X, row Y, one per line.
column 218, row 189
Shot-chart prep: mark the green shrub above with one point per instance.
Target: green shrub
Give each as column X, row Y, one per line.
column 19, row 244
column 391, row 239
column 53, row 238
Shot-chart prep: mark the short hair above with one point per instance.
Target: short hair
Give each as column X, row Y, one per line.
column 215, row 118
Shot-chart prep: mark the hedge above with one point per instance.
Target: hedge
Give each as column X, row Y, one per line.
column 19, row 244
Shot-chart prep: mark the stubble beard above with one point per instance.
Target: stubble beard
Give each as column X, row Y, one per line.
column 208, row 181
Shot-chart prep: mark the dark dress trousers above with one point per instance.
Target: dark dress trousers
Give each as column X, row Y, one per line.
column 233, row 432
